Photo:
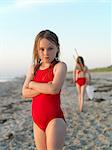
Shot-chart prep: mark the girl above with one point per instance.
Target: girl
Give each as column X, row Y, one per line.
column 81, row 80
column 43, row 84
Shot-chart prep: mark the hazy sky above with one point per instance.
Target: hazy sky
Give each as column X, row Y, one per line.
column 79, row 24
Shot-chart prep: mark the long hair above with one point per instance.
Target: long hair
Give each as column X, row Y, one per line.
column 80, row 61
column 52, row 37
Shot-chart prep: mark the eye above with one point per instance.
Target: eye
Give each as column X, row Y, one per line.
column 42, row 49
column 50, row 48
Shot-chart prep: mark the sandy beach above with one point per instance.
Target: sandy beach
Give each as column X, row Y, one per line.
column 88, row 130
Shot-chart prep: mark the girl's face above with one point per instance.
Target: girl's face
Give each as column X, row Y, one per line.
column 47, row 50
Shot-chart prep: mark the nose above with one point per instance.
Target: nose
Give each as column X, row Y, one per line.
column 46, row 52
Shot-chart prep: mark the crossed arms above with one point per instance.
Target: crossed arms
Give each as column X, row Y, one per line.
column 31, row 89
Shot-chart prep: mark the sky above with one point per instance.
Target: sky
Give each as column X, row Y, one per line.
column 81, row 24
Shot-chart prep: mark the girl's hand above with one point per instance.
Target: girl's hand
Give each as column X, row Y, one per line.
column 31, row 84
column 29, row 76
column 88, row 82
column 50, row 82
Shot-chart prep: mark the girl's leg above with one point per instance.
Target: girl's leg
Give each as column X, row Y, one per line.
column 82, row 97
column 39, row 137
column 55, row 134
column 79, row 94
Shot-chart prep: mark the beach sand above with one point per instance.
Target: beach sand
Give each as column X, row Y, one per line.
column 88, row 130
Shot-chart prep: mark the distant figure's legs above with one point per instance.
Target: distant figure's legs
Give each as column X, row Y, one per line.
column 80, row 91
column 78, row 94
column 82, row 97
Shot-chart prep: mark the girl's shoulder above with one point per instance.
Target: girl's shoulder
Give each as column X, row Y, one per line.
column 85, row 67
column 77, row 67
column 81, row 69
column 60, row 66
column 31, row 68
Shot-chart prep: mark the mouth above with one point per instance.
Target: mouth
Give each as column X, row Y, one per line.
column 46, row 57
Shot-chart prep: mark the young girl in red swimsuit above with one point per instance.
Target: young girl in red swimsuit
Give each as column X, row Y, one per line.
column 81, row 80
column 43, row 84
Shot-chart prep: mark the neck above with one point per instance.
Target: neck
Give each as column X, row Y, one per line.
column 45, row 65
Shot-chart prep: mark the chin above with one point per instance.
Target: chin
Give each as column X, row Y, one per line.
column 46, row 61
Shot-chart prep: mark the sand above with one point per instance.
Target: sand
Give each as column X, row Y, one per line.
column 88, row 130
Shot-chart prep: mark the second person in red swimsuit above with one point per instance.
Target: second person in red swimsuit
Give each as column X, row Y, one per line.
column 43, row 83
column 82, row 78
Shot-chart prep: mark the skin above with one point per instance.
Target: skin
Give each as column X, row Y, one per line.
column 81, row 90
column 53, row 137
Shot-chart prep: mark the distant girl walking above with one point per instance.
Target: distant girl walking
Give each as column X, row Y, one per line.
column 43, row 84
column 81, row 80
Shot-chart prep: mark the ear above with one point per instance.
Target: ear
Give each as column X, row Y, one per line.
column 39, row 60
column 57, row 53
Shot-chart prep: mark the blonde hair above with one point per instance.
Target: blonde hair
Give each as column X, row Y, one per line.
column 52, row 37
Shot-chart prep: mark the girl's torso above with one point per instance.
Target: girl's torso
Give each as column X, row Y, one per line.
column 45, row 76
column 81, row 71
column 45, row 106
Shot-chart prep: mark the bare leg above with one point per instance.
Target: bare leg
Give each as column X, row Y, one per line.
column 82, row 97
column 79, row 95
column 39, row 137
column 55, row 134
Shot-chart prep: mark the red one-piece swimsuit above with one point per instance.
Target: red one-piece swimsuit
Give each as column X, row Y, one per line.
column 45, row 107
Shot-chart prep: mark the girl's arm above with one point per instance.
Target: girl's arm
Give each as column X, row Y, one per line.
column 89, row 76
column 76, row 71
column 53, row 87
column 76, row 74
column 26, row 91
column 73, row 76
